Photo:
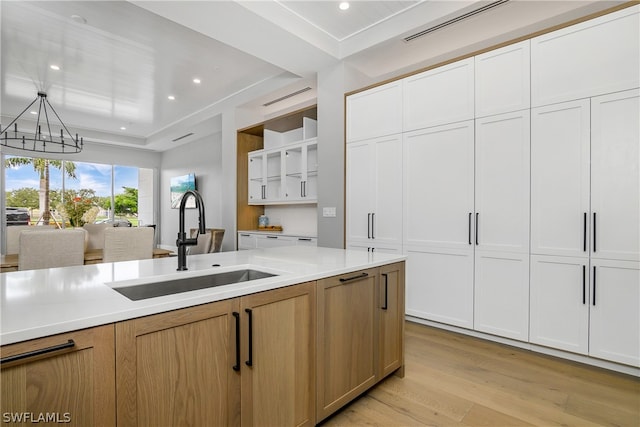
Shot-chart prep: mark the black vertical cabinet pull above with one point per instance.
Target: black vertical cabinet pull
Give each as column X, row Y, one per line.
column 584, row 284
column 386, row 290
column 594, row 285
column 584, row 232
column 249, row 361
column 301, row 190
column 594, row 233
column 477, row 215
column 369, row 225
column 373, row 227
column 236, row 367
column 470, row 214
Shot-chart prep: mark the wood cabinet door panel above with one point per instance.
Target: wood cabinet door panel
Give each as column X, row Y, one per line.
column 75, row 386
column 391, row 309
column 278, row 389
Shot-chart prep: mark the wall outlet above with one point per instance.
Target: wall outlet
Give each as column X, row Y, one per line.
column 329, row 212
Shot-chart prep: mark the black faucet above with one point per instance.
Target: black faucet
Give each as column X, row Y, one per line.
column 182, row 241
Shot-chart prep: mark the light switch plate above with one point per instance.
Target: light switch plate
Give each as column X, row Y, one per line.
column 329, row 212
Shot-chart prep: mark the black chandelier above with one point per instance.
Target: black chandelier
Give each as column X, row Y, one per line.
column 38, row 141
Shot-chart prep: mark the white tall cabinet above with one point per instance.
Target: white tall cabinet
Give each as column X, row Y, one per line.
column 520, row 207
column 585, row 226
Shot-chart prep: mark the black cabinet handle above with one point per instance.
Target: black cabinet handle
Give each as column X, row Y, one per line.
column 594, row 285
column 386, row 290
column 358, row 277
column 304, row 239
column 304, row 189
column 39, row 352
column 373, row 226
column 249, row 361
column 272, row 237
column 584, row 232
column 369, row 225
column 236, row 367
column 470, row 214
column 584, row 284
column 477, row 215
column 594, row 233
column 301, row 190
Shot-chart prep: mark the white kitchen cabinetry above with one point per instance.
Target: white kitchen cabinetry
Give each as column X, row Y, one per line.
column 502, row 80
column 614, row 316
column 560, row 295
column 587, row 243
column 438, row 224
column 286, row 170
column 560, row 151
column 301, row 172
column 501, row 291
column 374, row 192
column 248, row 240
column 592, row 58
column 375, row 112
column 615, row 176
column 439, row 96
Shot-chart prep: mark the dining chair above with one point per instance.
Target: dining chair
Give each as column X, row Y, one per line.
column 204, row 242
column 218, row 235
column 127, row 243
column 50, row 248
column 13, row 235
column 96, row 235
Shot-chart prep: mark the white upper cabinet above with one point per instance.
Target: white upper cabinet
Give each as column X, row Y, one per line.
column 438, row 186
column 560, row 179
column 439, row 96
column 615, row 176
column 502, row 182
column 595, row 57
column 375, row 112
column 502, row 80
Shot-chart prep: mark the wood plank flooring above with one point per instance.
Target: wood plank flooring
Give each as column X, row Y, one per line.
column 457, row 380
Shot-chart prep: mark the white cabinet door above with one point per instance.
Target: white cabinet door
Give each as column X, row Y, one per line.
column 502, row 183
column 246, row 241
column 501, row 294
column 438, row 186
column 615, row 311
column 440, row 285
column 374, row 191
column 306, row 241
column 439, row 96
column 502, row 80
column 615, row 176
column 591, row 58
column 375, row 112
column 359, row 187
column 559, row 306
column 301, row 171
column 560, row 152
column 273, row 241
column 257, row 182
column 386, row 218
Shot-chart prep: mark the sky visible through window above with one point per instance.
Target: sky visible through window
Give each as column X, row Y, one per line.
column 93, row 176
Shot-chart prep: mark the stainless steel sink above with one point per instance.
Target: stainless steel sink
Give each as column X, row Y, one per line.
column 170, row 287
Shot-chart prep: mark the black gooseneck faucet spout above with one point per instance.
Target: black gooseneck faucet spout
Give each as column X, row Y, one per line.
column 182, row 242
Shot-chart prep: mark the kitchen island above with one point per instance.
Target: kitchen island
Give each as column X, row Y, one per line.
column 291, row 348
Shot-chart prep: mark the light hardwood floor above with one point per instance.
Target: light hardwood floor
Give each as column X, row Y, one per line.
column 452, row 379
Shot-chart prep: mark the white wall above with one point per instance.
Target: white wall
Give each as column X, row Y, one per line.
column 204, row 158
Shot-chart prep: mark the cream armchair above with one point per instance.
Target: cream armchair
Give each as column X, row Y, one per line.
column 50, row 248
column 209, row 242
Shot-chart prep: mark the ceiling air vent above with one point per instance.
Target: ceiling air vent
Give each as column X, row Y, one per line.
column 282, row 98
column 182, row 137
column 454, row 20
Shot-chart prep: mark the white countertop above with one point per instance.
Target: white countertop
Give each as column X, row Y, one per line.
column 38, row 303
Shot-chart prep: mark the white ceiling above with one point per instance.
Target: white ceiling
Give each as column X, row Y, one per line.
column 119, row 61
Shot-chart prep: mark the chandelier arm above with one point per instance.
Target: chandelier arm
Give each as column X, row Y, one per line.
column 46, row 116
column 19, row 115
column 61, row 122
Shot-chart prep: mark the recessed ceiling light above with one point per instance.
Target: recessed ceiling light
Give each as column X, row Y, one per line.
column 33, row 112
column 79, row 19
column 54, row 67
column 344, row 5
column 196, row 81
column 123, row 128
column 171, row 97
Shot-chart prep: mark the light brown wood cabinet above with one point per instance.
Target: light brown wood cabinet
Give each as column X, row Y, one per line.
column 391, row 326
column 66, row 378
column 244, row 361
